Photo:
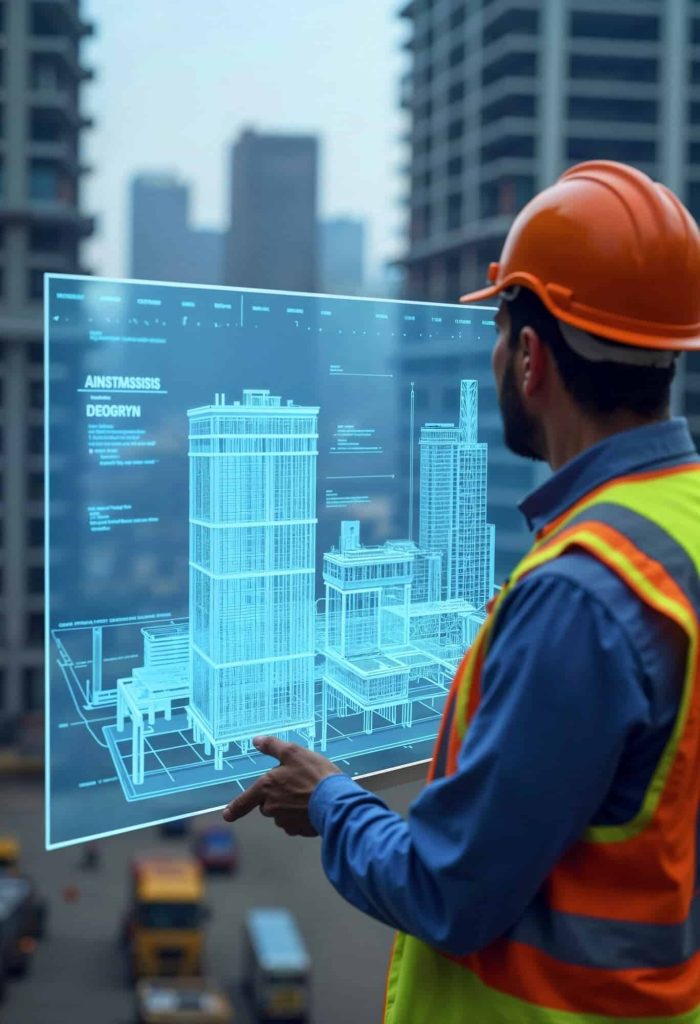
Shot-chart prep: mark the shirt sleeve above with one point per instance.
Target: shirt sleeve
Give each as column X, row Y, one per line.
column 562, row 689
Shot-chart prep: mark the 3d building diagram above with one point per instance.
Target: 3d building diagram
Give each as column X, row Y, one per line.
column 354, row 655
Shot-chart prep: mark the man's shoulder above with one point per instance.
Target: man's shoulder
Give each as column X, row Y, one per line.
column 582, row 575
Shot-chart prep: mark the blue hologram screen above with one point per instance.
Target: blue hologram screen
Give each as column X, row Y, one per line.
column 250, row 528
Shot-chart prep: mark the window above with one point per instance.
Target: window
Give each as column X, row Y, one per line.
column 694, row 112
column 35, row 440
column 694, row 199
column 626, row 150
column 35, row 486
column 35, row 627
column 506, row 195
column 511, row 21
column 47, row 20
column 422, row 222
column 596, row 108
column 35, row 353
column 508, row 146
column 46, row 238
column 589, row 25
column 45, row 72
column 625, row 69
column 458, row 16
column 454, row 166
column 35, row 394
column 46, row 125
column 424, row 110
column 514, row 105
column 457, row 54
column 456, row 92
column 32, row 688
column 35, row 533
column 44, row 179
column 514, row 63
column 695, row 30
column 454, row 211
column 695, row 72
column 35, row 285
column 693, row 152
column 455, row 129
column 35, row 579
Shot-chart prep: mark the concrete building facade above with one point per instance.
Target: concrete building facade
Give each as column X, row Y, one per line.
column 41, row 228
column 502, row 96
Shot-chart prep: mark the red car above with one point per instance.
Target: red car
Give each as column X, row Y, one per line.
column 216, row 849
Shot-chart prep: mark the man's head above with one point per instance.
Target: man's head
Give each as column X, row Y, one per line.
column 537, row 371
column 599, row 284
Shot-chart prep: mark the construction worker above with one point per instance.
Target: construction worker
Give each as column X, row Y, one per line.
column 549, row 873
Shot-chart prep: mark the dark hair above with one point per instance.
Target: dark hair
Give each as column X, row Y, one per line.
column 598, row 388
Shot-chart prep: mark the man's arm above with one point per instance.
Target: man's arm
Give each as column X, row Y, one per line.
column 562, row 688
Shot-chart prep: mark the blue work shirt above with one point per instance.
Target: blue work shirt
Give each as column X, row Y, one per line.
column 580, row 689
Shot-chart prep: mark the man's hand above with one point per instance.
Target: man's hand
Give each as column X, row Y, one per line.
column 284, row 792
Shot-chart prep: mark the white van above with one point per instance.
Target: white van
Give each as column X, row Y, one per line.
column 276, row 966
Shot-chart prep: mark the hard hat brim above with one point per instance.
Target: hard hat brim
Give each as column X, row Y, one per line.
column 483, row 293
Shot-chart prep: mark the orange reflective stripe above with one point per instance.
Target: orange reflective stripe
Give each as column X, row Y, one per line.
column 528, row 974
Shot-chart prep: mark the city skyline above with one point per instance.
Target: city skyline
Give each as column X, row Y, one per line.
column 157, row 119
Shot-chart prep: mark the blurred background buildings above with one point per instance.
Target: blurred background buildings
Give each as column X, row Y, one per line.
column 497, row 98
column 501, row 96
column 164, row 245
column 41, row 228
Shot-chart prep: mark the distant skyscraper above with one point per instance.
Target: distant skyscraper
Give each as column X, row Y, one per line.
column 205, row 263
column 273, row 229
column 163, row 245
column 159, row 215
column 342, row 256
column 42, row 227
column 252, row 568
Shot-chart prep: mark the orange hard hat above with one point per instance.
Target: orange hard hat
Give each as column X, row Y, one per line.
column 611, row 252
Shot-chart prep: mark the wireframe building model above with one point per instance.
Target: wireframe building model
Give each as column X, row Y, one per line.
column 385, row 641
column 252, row 568
column 453, row 503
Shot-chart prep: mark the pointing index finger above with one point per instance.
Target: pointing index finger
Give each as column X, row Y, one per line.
column 246, row 802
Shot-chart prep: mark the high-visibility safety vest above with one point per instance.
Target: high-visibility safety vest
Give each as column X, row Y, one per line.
column 614, row 932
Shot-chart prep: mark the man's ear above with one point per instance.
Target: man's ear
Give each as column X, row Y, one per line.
column 534, row 360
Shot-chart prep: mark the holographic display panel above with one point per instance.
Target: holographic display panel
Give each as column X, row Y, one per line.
column 251, row 528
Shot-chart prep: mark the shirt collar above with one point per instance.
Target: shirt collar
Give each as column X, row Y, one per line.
column 627, row 452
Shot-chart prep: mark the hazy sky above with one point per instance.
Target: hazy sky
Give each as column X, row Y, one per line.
column 177, row 80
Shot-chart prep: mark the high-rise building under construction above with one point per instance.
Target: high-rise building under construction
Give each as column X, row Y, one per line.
column 41, row 229
column 501, row 96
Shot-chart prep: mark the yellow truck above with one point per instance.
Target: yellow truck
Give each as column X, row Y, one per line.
column 163, row 931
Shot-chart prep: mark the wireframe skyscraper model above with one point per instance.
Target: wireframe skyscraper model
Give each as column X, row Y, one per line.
column 252, row 569
column 453, row 503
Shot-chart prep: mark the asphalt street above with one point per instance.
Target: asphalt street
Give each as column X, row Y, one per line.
column 78, row 973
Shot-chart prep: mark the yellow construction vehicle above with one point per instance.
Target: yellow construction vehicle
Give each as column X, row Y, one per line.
column 163, row 931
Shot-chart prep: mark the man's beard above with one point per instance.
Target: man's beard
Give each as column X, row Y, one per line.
column 520, row 431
